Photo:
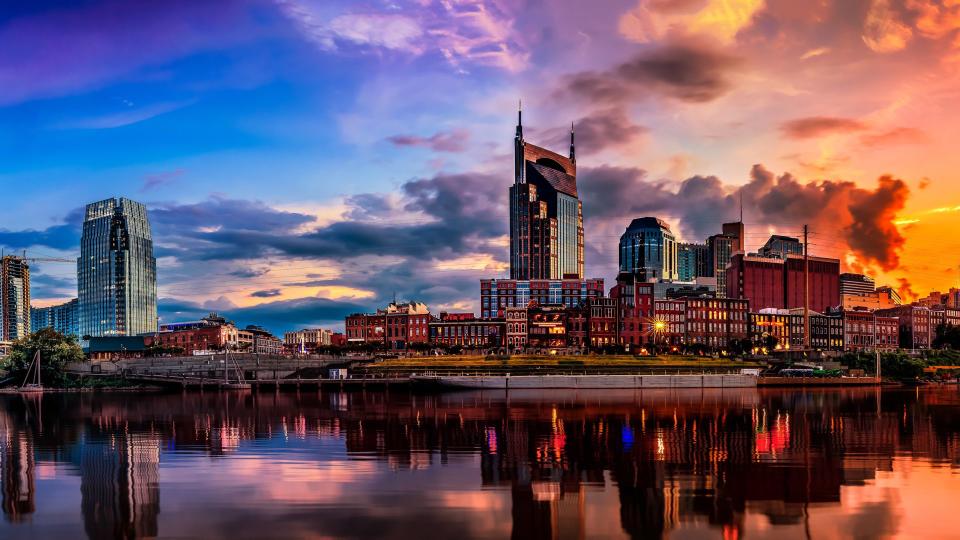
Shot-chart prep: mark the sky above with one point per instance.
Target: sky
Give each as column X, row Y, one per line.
column 305, row 159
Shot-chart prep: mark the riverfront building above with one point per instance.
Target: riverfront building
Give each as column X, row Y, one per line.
column 14, row 298
column 466, row 330
column 546, row 215
column 498, row 294
column 770, row 282
column 63, row 318
column 395, row 327
column 116, row 271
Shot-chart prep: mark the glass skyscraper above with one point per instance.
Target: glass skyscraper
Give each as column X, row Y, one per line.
column 648, row 249
column 62, row 318
column 116, row 271
column 546, row 215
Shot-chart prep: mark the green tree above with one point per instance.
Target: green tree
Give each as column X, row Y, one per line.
column 56, row 351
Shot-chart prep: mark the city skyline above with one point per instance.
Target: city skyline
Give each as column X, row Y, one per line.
column 331, row 169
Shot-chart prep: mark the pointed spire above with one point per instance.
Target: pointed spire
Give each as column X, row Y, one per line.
column 573, row 154
column 520, row 119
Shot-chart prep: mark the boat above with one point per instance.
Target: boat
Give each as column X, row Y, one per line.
column 704, row 380
column 33, row 376
column 227, row 384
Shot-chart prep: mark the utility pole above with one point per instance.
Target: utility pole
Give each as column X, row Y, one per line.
column 876, row 346
column 806, row 289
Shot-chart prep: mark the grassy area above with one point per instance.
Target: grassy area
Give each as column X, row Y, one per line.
column 558, row 361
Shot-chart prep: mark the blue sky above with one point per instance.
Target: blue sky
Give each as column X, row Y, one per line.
column 302, row 159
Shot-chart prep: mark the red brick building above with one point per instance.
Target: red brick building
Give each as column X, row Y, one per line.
column 395, row 326
column 715, row 322
column 670, row 321
column 866, row 331
column 917, row 326
column 634, row 300
column 779, row 283
column 498, row 294
column 204, row 338
column 516, row 331
column 466, row 330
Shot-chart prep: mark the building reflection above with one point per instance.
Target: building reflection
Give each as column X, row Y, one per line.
column 669, row 457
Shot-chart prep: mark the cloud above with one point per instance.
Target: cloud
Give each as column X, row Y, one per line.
column 686, row 71
column 161, row 179
column 249, row 272
column 266, row 293
column 840, row 212
column 719, row 19
column 598, row 131
column 276, row 316
column 464, row 32
column 62, row 236
column 452, row 141
column 898, row 135
column 125, row 117
column 883, row 29
column 813, row 53
column 819, row 126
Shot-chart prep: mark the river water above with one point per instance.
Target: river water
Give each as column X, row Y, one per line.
column 539, row 464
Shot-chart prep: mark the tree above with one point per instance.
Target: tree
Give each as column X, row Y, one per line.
column 948, row 336
column 56, row 351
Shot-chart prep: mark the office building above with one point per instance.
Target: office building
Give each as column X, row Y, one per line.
column 779, row 246
column 546, row 215
column 857, row 284
column 648, row 249
column 693, row 261
column 498, row 294
column 736, row 231
column 116, row 271
column 769, row 282
column 721, row 247
column 63, row 318
column 14, row 298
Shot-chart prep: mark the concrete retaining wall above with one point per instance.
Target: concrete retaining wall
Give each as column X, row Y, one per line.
column 601, row 381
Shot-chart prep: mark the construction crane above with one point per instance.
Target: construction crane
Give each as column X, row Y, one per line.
column 40, row 259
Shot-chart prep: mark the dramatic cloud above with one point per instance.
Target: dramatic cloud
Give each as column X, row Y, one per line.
column 684, row 71
column 839, row 212
column 463, row 32
column 598, row 131
column 453, row 141
column 819, row 126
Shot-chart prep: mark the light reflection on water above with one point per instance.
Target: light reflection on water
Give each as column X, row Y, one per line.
column 536, row 464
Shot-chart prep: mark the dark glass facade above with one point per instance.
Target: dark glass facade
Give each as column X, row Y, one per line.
column 116, row 271
column 546, row 215
column 648, row 249
column 63, row 318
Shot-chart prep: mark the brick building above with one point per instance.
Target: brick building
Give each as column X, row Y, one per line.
column 768, row 282
column 715, row 322
column 916, row 325
column 395, row 326
column 498, row 294
column 634, row 301
column 466, row 330
column 516, row 327
column 865, row 331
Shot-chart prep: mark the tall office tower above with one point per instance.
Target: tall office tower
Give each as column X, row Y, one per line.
column 546, row 215
column 779, row 246
column 648, row 250
column 721, row 247
column 693, row 261
column 116, row 271
column 735, row 230
column 14, row 298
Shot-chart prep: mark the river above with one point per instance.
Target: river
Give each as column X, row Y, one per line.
column 703, row 463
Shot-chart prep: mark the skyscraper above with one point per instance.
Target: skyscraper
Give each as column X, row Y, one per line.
column 546, row 215
column 693, row 261
column 116, row 271
column 648, row 249
column 14, row 298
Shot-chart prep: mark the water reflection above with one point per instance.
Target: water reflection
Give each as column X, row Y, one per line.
column 543, row 464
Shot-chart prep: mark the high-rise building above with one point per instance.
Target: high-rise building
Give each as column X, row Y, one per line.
column 546, row 215
column 648, row 249
column 693, row 261
column 856, row 284
column 61, row 317
column 14, row 298
column 780, row 246
column 721, row 247
column 735, row 230
column 116, row 271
